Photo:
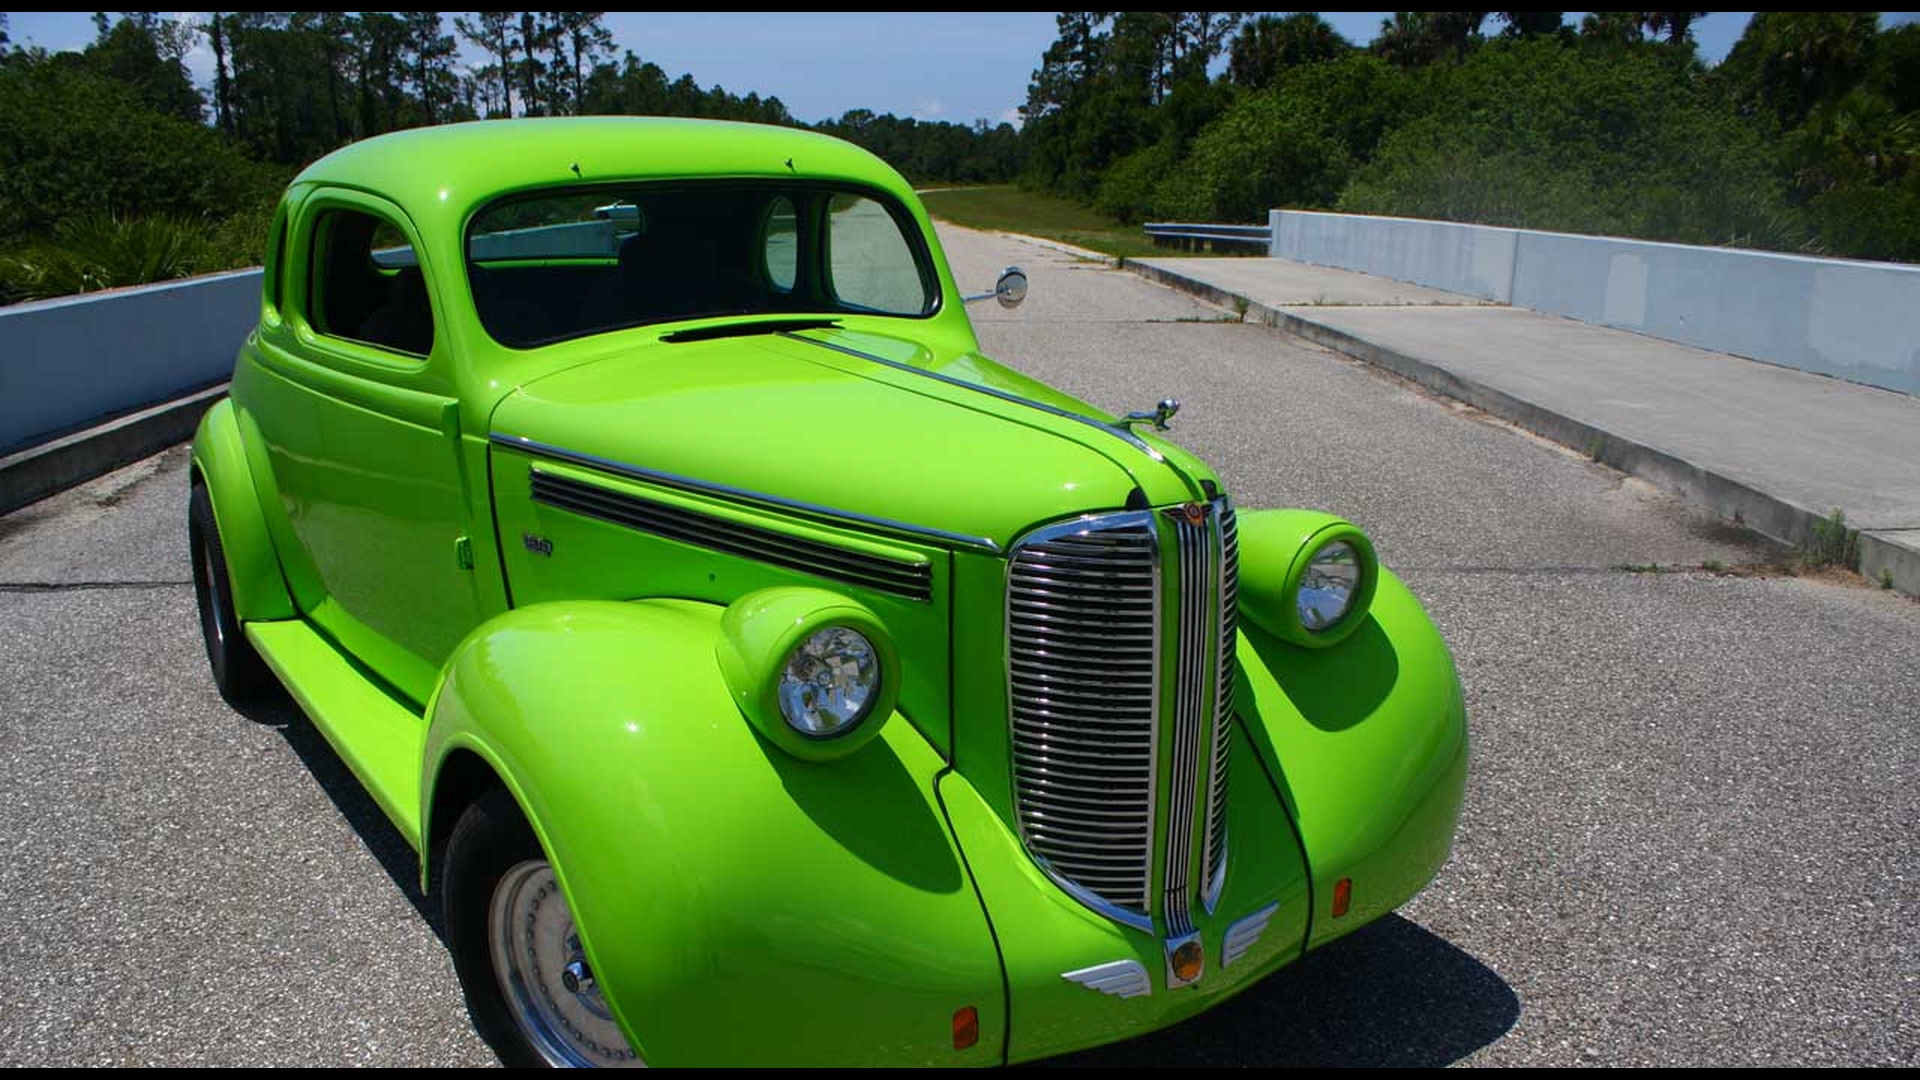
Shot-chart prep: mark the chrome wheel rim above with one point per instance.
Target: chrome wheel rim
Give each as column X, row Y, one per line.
column 544, row 975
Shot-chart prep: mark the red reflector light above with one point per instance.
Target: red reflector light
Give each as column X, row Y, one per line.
column 1342, row 896
column 966, row 1028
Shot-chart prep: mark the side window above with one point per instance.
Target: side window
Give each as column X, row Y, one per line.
column 871, row 262
column 366, row 285
column 782, row 244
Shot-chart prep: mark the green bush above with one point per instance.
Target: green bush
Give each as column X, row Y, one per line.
column 1291, row 145
column 86, row 254
column 1536, row 135
column 1127, row 190
column 76, row 144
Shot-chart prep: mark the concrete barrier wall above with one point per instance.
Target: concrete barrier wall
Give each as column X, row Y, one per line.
column 1854, row 320
column 70, row 362
column 1471, row 259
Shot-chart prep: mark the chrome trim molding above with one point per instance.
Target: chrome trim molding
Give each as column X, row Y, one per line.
column 1195, row 619
column 1083, row 688
column 909, row 579
column 1228, row 590
column 687, row 483
column 1121, row 978
column 1123, row 434
column 1242, row 935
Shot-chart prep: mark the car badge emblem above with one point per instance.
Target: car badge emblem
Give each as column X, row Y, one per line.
column 539, row 545
column 1192, row 513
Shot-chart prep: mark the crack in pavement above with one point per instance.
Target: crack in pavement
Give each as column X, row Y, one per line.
column 83, row 586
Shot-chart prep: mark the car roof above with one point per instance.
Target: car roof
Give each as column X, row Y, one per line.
column 470, row 163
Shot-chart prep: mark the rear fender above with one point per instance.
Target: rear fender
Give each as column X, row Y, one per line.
column 220, row 463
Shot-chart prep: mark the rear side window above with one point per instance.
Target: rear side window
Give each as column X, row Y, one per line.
column 782, row 244
column 366, row 284
column 872, row 265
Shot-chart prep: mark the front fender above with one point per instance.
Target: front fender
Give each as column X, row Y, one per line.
column 738, row 905
column 220, row 460
column 1366, row 742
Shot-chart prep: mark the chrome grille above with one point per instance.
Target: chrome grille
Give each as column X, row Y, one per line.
column 911, row 580
column 1085, row 609
column 1083, row 601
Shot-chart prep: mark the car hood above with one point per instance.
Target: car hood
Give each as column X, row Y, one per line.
column 863, row 424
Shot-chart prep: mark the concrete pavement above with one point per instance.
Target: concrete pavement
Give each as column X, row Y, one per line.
column 1773, row 448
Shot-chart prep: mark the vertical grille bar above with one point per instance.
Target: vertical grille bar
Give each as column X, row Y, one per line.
column 1198, row 601
column 1229, row 592
column 1083, row 665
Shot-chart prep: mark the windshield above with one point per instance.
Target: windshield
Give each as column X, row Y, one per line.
column 565, row 264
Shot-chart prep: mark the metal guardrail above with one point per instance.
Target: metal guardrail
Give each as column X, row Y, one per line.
column 1197, row 236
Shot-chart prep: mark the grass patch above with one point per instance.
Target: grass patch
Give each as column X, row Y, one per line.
column 1009, row 209
column 1833, row 544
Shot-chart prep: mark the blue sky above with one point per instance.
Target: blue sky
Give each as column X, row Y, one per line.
column 934, row 65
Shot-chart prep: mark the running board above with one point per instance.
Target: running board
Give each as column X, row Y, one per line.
column 375, row 734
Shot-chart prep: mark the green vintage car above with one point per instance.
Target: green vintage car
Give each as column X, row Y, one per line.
column 763, row 674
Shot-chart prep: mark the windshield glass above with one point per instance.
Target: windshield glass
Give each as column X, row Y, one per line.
column 565, row 264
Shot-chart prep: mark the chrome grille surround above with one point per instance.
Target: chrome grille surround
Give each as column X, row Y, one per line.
column 1088, row 614
column 1083, row 677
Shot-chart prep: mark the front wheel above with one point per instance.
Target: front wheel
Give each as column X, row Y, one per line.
column 528, row 985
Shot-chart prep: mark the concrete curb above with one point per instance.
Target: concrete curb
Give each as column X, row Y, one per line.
column 1065, row 249
column 1212, row 294
column 40, row 471
column 1770, row 515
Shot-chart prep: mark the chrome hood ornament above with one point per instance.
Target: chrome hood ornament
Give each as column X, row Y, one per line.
column 1158, row 417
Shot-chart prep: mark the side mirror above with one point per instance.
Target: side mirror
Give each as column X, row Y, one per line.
column 1010, row 290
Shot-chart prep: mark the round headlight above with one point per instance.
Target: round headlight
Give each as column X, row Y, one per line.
column 1328, row 587
column 829, row 682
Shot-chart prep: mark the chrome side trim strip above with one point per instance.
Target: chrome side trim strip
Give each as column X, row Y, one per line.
column 1122, row 434
column 1121, row 978
column 687, row 483
column 909, row 579
column 1242, row 935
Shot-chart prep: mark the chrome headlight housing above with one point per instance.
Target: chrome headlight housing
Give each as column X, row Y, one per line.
column 1305, row 577
column 815, row 672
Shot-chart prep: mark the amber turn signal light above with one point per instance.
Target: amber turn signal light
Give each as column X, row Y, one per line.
column 1188, row 961
column 966, row 1028
column 1342, row 896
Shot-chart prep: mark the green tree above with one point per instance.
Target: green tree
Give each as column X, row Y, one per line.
column 492, row 32
column 1788, row 63
column 1416, row 38
column 429, row 60
column 1268, row 44
column 146, row 53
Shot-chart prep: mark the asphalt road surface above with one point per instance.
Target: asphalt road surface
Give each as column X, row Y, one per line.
column 1690, row 826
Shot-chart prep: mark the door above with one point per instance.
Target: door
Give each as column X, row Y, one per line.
column 355, row 405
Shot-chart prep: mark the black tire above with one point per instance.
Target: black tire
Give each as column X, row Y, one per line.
column 243, row 678
column 488, row 854
column 489, row 838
